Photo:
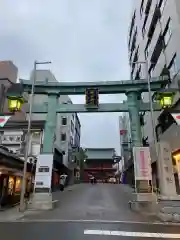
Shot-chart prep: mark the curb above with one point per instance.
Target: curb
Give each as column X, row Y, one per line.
column 169, row 217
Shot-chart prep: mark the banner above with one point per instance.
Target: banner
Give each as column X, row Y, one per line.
column 142, row 163
column 3, row 120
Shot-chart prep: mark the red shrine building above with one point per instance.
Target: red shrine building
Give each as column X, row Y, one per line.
column 99, row 163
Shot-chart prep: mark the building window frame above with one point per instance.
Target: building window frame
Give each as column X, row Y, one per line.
column 142, row 8
column 64, row 121
column 63, row 137
column 161, row 5
column 173, row 69
column 167, row 33
column 72, row 126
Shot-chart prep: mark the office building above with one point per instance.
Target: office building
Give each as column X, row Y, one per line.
column 68, row 128
column 153, row 37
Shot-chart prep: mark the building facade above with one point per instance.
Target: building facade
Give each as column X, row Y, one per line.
column 68, row 128
column 125, row 139
column 153, row 38
column 154, row 50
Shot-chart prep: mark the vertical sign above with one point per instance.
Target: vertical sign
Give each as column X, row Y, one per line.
column 43, row 175
column 92, row 97
column 142, row 163
column 167, row 181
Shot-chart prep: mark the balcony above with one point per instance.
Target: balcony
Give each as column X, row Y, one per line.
column 155, row 45
column 154, row 15
column 136, row 69
column 132, row 26
column 11, row 139
column 133, row 40
column 159, row 65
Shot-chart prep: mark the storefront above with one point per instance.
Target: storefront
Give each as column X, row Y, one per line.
column 10, row 186
column 11, row 172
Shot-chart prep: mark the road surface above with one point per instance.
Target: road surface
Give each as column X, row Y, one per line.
column 90, row 212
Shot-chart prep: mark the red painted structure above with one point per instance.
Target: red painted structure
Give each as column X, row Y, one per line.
column 99, row 163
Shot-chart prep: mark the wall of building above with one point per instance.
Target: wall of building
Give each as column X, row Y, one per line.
column 125, row 138
column 65, row 133
column 14, row 141
column 155, row 41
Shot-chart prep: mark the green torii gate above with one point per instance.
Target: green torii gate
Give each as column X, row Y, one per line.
column 132, row 89
column 133, row 105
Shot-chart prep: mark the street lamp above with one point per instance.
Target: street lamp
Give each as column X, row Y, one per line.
column 16, row 97
column 165, row 97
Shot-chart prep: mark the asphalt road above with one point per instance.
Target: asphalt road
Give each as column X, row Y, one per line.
column 89, row 230
column 93, row 202
column 90, row 212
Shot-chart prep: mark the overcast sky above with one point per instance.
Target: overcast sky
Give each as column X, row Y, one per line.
column 86, row 40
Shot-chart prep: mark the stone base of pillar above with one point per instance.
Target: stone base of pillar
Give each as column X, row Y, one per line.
column 169, row 198
column 42, row 201
column 145, row 203
column 169, row 208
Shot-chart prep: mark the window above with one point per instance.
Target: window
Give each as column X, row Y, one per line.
column 167, row 33
column 142, row 7
column 63, row 137
column 162, row 5
column 71, row 140
column 151, row 71
column 64, row 121
column 72, row 126
column 43, row 169
column 147, row 49
column 173, row 67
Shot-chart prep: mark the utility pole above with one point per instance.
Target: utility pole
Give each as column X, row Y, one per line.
column 23, row 189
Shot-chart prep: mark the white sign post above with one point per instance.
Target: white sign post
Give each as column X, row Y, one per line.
column 142, row 172
column 142, row 163
column 42, row 197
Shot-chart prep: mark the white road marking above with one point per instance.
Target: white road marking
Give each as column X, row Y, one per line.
column 132, row 234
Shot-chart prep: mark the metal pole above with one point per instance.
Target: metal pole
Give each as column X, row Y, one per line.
column 152, row 116
column 22, row 205
column 118, row 173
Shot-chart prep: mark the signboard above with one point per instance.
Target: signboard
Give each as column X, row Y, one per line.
column 142, row 163
column 43, row 173
column 167, row 182
column 3, row 120
column 176, row 117
column 92, row 97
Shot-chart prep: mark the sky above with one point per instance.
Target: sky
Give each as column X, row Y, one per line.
column 86, row 40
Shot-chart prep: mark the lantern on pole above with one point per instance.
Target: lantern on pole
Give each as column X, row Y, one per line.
column 165, row 97
column 16, row 97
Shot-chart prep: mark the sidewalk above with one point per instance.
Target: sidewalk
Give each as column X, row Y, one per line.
column 13, row 214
